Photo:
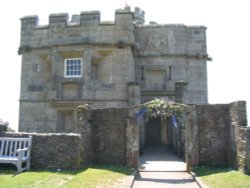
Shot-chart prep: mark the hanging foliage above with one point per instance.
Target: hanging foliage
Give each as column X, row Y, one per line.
column 160, row 108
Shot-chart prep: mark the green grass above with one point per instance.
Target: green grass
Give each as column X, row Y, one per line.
column 222, row 177
column 97, row 175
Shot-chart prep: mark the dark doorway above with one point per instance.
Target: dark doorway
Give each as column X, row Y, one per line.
column 153, row 132
column 162, row 146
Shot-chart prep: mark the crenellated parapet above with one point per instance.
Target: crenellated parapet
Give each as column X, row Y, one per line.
column 83, row 28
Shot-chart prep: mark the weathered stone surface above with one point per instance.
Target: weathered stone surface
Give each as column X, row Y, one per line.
column 113, row 55
column 213, row 125
column 54, row 151
column 239, row 151
column 109, row 138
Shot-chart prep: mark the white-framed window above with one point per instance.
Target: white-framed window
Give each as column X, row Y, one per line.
column 73, row 67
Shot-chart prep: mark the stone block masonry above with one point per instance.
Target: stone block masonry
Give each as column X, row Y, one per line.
column 119, row 64
column 223, row 135
column 213, row 131
column 214, row 135
column 104, row 136
column 109, row 135
column 54, row 151
column 109, row 138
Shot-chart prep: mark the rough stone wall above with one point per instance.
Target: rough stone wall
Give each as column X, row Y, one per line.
column 54, row 151
column 109, row 135
column 132, row 138
column 243, row 150
column 239, row 151
column 213, row 131
column 84, row 123
column 223, row 135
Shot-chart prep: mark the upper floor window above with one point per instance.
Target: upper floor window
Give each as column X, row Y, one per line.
column 73, row 67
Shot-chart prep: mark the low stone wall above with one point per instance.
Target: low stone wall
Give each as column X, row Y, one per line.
column 54, row 151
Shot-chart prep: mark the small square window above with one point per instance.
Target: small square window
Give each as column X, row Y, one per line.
column 73, row 67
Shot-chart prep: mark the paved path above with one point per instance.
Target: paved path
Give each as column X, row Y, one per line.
column 160, row 158
column 160, row 168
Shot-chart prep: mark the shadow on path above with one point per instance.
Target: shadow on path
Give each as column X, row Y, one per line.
column 159, row 168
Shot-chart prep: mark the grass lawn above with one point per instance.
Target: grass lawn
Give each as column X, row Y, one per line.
column 102, row 176
column 222, row 177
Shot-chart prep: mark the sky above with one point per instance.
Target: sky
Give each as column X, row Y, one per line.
column 228, row 39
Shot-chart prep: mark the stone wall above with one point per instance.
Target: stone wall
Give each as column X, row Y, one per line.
column 114, row 56
column 223, row 135
column 109, row 135
column 213, row 130
column 85, row 129
column 239, row 151
column 243, row 150
column 54, row 151
column 109, row 138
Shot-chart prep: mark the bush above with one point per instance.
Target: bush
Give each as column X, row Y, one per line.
column 3, row 126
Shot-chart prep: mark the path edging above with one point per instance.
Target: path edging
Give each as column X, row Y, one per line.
column 198, row 180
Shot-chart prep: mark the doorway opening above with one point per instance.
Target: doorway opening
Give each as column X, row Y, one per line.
column 162, row 145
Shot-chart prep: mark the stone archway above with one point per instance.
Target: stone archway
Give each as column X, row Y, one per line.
column 182, row 139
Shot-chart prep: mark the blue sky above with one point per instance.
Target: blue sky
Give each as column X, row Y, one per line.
column 228, row 39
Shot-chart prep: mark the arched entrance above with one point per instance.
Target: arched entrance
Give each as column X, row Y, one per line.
column 166, row 144
column 162, row 150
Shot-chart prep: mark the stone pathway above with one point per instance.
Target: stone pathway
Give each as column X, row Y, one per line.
column 160, row 168
column 160, row 158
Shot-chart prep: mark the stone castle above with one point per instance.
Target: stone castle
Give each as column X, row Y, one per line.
column 105, row 64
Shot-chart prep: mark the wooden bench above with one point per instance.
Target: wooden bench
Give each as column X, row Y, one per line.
column 16, row 151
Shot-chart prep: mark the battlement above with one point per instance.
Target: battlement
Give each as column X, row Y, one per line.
column 139, row 15
column 85, row 18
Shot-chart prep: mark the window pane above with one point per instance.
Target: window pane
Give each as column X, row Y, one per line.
column 73, row 67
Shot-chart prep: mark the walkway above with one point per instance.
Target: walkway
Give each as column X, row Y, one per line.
column 160, row 168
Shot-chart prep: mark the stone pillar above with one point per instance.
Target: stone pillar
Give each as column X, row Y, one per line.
column 191, row 136
column 85, row 129
column 132, row 135
column 239, row 150
column 181, row 93
column 134, row 94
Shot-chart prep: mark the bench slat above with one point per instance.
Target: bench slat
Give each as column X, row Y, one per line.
column 15, row 149
column 6, row 148
column 1, row 147
column 8, row 151
column 12, row 151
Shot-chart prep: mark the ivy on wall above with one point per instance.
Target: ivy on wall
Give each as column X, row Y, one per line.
column 160, row 107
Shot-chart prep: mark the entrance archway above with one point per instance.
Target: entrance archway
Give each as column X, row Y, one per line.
column 173, row 138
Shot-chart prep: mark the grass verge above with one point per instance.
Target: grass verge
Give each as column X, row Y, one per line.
column 221, row 177
column 93, row 176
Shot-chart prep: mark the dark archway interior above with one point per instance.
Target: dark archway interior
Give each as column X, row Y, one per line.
column 162, row 146
column 153, row 132
column 163, row 133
